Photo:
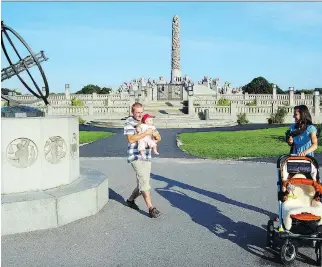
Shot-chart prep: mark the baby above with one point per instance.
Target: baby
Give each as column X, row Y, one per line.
column 147, row 141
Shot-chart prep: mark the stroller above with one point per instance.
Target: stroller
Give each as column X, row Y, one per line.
column 299, row 207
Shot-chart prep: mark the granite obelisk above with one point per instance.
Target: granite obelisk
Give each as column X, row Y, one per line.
column 175, row 55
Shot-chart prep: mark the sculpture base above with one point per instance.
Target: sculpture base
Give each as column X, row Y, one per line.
column 30, row 211
column 38, row 153
column 21, row 112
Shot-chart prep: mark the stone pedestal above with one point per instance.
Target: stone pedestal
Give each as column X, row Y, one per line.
column 191, row 110
column 38, row 153
column 149, row 93
column 233, row 111
column 154, row 93
column 42, row 185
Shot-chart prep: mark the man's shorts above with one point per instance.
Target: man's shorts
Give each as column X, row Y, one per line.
column 143, row 171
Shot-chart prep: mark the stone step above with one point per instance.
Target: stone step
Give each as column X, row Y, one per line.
column 39, row 210
column 168, row 123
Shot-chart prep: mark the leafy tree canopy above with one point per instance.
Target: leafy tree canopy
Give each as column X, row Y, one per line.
column 260, row 85
column 5, row 91
column 90, row 89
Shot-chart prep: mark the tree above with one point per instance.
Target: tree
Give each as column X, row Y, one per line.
column 5, row 91
column 318, row 89
column 260, row 85
column 105, row 90
column 90, row 89
column 77, row 102
column 305, row 91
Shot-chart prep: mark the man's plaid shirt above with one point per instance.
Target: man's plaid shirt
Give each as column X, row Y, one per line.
column 132, row 149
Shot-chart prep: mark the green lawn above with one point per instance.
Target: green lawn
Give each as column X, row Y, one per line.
column 88, row 137
column 219, row 145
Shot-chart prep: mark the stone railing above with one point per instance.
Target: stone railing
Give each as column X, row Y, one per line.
column 255, row 114
column 87, row 112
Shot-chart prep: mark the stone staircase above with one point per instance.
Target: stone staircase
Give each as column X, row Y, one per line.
column 168, row 115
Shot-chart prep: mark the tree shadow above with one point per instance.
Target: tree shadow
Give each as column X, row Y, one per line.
column 249, row 237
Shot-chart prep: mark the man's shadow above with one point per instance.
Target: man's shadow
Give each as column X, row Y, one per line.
column 249, row 237
column 118, row 198
column 219, row 197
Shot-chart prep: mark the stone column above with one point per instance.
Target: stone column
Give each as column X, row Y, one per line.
column 154, row 92
column 316, row 104
column 90, row 109
column 274, row 107
column 233, row 111
column 94, row 96
column 274, row 92
column 191, row 110
column 246, row 96
column 149, row 93
column 67, row 92
column 291, row 93
column 175, row 55
column 107, row 101
column 302, row 96
column 49, row 110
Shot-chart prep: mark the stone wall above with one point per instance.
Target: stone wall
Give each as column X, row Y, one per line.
column 117, row 105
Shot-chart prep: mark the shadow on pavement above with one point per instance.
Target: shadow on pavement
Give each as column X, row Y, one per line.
column 213, row 195
column 249, row 237
column 118, row 198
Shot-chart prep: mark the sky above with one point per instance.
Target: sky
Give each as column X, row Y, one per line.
column 108, row 43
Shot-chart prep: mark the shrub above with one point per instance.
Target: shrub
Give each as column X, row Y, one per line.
column 223, row 102
column 242, row 119
column 80, row 120
column 252, row 104
column 278, row 116
column 77, row 102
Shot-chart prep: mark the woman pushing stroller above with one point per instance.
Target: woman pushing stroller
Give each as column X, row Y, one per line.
column 302, row 135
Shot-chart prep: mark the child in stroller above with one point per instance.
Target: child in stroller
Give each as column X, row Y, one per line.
column 299, row 206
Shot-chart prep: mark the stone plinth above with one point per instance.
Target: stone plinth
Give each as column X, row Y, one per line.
column 30, row 211
column 38, row 153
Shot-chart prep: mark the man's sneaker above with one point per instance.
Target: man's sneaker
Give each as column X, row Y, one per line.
column 154, row 213
column 132, row 204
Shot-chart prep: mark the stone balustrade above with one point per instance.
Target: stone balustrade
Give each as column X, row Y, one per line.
column 87, row 112
column 117, row 105
column 255, row 114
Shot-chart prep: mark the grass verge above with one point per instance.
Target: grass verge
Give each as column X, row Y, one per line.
column 89, row 137
column 250, row 143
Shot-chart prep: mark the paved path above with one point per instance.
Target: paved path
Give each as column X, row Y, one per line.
column 116, row 146
column 214, row 214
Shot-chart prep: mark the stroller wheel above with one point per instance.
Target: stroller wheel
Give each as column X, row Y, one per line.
column 288, row 252
column 318, row 252
column 270, row 238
